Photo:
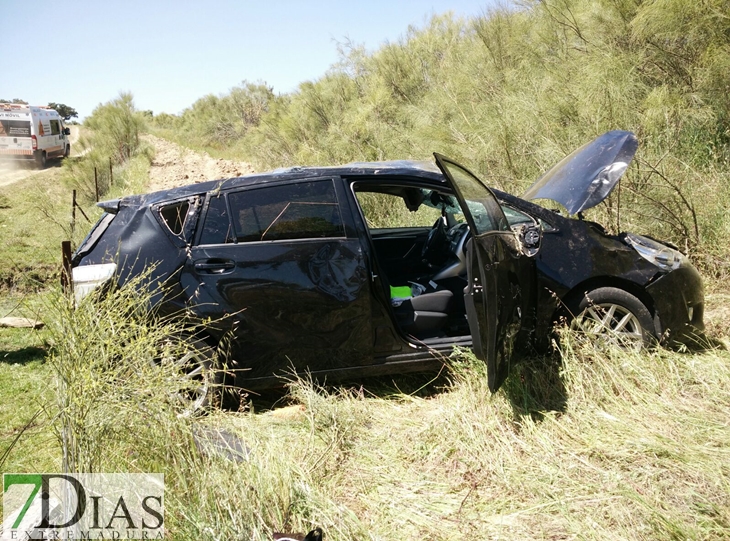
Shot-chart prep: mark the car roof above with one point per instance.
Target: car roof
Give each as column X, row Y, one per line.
column 396, row 168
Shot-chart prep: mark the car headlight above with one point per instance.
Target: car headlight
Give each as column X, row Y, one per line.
column 662, row 256
column 86, row 278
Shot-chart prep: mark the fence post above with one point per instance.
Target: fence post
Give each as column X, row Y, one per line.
column 66, row 282
column 111, row 173
column 73, row 212
column 96, row 184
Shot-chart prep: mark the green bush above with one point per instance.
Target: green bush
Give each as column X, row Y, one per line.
column 111, row 141
column 510, row 93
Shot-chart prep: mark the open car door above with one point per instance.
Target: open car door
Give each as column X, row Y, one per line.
column 493, row 295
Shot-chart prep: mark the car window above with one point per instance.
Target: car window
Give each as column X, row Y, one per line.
column 483, row 207
column 517, row 217
column 55, row 127
column 14, row 128
column 217, row 226
column 174, row 216
column 382, row 211
column 303, row 210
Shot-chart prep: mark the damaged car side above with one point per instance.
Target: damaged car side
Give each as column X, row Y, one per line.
column 383, row 268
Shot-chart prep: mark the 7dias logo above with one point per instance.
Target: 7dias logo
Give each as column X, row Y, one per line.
column 83, row 506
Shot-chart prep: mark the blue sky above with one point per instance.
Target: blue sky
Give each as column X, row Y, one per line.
column 168, row 54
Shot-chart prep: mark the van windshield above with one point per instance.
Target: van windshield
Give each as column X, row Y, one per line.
column 14, row 128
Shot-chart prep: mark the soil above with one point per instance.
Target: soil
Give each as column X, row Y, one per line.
column 175, row 166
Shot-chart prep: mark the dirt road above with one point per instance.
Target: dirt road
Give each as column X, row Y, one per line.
column 175, row 166
column 172, row 166
column 12, row 172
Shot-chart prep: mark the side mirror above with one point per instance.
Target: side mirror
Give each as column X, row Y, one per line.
column 530, row 236
column 67, row 131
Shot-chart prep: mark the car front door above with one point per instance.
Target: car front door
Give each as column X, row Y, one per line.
column 497, row 273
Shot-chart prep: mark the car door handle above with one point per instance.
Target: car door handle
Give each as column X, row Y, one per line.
column 214, row 265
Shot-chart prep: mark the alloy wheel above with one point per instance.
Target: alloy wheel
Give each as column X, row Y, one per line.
column 610, row 324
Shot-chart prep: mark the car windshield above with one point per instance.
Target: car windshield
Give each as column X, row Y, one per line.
column 449, row 204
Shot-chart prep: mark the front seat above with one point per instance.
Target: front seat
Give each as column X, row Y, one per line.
column 426, row 315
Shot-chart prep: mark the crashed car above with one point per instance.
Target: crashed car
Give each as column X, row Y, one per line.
column 383, row 268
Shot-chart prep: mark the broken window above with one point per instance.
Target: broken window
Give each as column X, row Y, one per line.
column 174, row 216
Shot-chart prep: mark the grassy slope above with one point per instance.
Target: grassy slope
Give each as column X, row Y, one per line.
column 34, row 219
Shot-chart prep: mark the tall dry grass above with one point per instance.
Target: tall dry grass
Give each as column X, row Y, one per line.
column 587, row 445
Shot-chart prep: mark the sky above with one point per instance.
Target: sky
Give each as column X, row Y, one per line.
column 170, row 53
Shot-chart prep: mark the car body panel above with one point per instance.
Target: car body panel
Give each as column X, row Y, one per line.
column 304, row 305
column 598, row 259
column 588, row 175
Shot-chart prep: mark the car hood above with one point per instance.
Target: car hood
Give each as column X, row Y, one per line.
column 586, row 177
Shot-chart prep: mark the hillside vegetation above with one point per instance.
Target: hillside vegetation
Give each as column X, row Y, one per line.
column 510, row 93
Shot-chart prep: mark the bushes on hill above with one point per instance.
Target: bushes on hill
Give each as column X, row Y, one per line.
column 510, row 93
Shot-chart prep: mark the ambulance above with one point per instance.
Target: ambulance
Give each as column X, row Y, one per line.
column 32, row 133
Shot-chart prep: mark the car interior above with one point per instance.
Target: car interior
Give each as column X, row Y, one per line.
column 419, row 241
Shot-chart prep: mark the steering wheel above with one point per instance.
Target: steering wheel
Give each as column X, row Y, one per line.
column 435, row 249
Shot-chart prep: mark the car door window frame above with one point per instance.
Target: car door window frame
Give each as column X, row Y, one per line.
column 344, row 224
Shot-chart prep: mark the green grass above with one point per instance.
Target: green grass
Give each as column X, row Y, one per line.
column 35, row 217
column 628, row 447
column 600, row 446
column 24, row 383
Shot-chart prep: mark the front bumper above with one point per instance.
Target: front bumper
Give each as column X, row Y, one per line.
column 679, row 304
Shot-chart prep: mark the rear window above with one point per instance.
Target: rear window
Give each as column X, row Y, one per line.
column 14, row 128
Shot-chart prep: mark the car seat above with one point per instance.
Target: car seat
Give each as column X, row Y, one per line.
column 425, row 315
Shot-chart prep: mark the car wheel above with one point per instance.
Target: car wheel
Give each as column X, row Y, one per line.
column 199, row 387
column 41, row 160
column 67, row 151
column 612, row 316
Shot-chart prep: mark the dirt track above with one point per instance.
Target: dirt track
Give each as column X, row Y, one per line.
column 172, row 166
column 11, row 173
column 175, row 166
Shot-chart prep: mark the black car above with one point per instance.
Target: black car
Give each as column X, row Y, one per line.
column 382, row 268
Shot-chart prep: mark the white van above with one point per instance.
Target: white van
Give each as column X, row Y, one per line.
column 32, row 133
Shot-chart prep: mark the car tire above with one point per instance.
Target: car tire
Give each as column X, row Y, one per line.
column 67, row 152
column 41, row 160
column 201, row 384
column 613, row 316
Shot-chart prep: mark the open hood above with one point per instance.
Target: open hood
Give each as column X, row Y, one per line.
column 586, row 177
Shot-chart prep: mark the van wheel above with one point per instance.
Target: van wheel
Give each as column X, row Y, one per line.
column 67, row 151
column 199, row 386
column 41, row 160
column 612, row 316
